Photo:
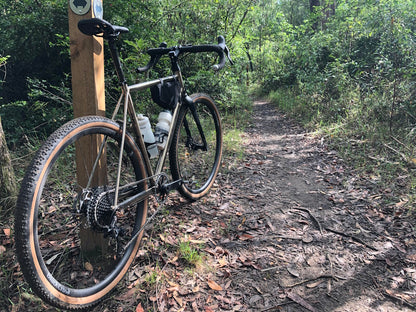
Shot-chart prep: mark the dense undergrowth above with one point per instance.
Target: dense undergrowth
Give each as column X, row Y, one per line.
column 384, row 156
column 347, row 71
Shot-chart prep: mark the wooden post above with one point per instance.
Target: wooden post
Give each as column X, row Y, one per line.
column 87, row 67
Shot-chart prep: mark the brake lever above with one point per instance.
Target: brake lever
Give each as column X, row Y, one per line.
column 227, row 52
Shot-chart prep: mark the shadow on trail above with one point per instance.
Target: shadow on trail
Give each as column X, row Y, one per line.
column 299, row 231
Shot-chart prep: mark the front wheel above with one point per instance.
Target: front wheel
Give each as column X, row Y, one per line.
column 195, row 153
column 72, row 245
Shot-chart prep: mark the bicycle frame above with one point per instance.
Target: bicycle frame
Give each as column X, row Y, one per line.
column 114, row 205
column 129, row 111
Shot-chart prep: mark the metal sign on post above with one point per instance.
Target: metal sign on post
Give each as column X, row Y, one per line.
column 80, row 7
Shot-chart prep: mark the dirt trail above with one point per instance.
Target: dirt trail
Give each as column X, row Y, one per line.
column 288, row 228
column 292, row 229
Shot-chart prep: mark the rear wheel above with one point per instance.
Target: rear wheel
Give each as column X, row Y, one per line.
column 195, row 157
column 70, row 242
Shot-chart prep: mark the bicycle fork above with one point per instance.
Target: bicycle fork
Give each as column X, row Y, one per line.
column 190, row 142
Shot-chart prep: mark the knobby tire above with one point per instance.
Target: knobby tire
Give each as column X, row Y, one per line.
column 50, row 229
column 197, row 168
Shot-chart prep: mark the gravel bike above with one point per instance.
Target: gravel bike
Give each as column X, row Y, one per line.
column 68, row 197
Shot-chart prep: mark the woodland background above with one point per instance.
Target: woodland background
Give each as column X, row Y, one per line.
column 344, row 69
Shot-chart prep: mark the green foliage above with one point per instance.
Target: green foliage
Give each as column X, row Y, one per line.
column 350, row 71
column 35, row 35
column 349, row 63
column 3, row 69
column 27, row 28
column 189, row 253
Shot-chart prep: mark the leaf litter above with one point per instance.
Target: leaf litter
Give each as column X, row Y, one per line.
column 288, row 228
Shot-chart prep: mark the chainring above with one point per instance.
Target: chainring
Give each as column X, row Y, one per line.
column 160, row 192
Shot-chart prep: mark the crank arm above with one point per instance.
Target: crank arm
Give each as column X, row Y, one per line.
column 172, row 186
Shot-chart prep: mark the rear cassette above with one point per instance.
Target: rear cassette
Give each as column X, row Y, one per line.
column 97, row 205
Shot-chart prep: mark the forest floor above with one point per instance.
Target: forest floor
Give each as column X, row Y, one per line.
column 289, row 227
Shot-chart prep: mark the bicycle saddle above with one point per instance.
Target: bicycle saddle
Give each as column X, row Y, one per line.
column 100, row 28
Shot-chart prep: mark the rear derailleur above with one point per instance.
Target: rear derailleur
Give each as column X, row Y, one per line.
column 96, row 204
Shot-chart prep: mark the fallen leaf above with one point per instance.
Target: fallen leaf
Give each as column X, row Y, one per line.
column 195, row 307
column 245, row 237
column 411, row 258
column 214, row 286
column 222, row 262
column 224, row 299
column 224, row 206
column 196, row 242
column 307, row 238
column 139, row 308
column 173, row 286
column 127, row 295
column 2, row 249
column 52, row 259
column 314, row 284
column 398, row 295
column 6, row 232
column 88, row 266
column 293, row 271
column 178, row 299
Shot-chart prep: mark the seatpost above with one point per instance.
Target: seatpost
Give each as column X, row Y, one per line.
column 116, row 60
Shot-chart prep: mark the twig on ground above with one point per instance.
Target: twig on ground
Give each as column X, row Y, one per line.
column 399, row 299
column 401, row 143
column 358, row 240
column 312, row 216
column 403, row 156
column 300, row 301
column 314, row 279
column 277, row 307
column 391, row 295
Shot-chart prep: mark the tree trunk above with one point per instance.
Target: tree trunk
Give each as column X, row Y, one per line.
column 313, row 4
column 8, row 186
column 328, row 9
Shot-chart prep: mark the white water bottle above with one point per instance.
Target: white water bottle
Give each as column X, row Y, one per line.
column 162, row 129
column 148, row 137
